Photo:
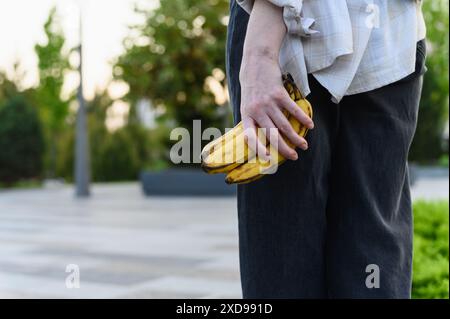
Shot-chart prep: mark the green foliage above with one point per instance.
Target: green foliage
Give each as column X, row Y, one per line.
column 443, row 160
column 118, row 158
column 433, row 111
column 122, row 154
column 53, row 63
column 431, row 268
column 8, row 88
column 115, row 156
column 21, row 142
column 66, row 157
column 156, row 141
column 23, row 184
column 170, row 57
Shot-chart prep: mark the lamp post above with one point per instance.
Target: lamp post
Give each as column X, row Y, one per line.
column 82, row 158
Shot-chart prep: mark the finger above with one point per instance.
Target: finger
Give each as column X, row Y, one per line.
column 289, row 105
column 251, row 138
column 282, row 123
column 275, row 138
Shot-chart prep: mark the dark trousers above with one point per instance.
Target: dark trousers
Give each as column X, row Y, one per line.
column 337, row 223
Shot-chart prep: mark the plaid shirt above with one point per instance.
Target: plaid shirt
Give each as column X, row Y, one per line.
column 350, row 46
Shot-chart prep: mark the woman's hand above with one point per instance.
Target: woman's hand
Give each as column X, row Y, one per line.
column 263, row 97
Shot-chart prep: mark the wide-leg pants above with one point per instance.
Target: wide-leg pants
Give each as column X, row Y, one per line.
column 336, row 223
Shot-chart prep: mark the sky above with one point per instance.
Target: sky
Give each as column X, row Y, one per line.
column 105, row 25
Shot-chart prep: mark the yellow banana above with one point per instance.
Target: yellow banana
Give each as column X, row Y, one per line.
column 255, row 169
column 230, row 153
column 226, row 152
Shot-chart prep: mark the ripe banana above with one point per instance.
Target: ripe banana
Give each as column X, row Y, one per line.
column 251, row 171
column 226, row 152
column 230, row 153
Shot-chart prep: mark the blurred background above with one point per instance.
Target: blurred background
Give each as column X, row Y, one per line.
column 85, row 173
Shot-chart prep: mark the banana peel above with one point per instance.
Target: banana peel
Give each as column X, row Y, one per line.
column 231, row 155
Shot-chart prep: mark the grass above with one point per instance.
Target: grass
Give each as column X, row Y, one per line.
column 25, row 184
column 443, row 161
column 430, row 264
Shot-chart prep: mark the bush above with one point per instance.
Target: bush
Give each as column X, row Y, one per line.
column 21, row 142
column 115, row 156
column 65, row 162
column 428, row 145
column 118, row 158
column 430, row 265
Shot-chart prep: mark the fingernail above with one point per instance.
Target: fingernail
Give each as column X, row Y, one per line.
column 294, row 156
column 304, row 146
column 311, row 125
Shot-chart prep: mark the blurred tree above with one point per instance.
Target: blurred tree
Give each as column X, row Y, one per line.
column 433, row 111
column 53, row 64
column 119, row 158
column 115, row 156
column 172, row 59
column 8, row 88
column 21, row 141
column 118, row 155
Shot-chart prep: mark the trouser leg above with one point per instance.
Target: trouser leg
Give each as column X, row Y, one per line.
column 369, row 209
column 311, row 230
column 282, row 220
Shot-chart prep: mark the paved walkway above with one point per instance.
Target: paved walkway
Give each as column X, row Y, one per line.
column 125, row 245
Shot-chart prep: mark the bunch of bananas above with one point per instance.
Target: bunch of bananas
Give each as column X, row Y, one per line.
column 231, row 155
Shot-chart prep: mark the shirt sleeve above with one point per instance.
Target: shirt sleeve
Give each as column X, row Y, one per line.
column 296, row 24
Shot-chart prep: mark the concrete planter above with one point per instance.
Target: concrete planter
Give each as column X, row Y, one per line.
column 194, row 182
column 413, row 171
column 185, row 182
column 417, row 172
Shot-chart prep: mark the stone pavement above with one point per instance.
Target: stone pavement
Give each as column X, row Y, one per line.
column 125, row 245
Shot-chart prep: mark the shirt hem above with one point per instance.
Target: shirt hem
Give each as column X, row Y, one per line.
column 379, row 85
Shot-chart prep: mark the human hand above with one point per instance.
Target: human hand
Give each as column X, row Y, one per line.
column 263, row 100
